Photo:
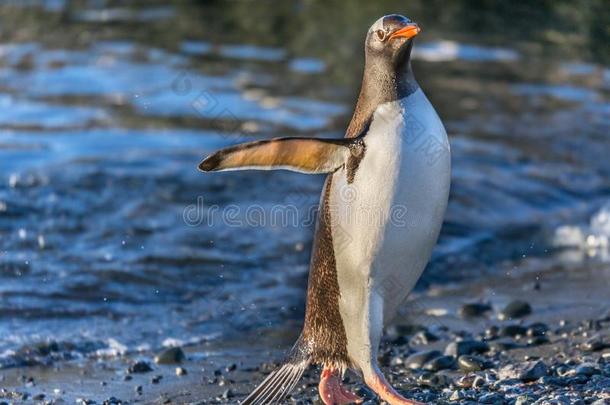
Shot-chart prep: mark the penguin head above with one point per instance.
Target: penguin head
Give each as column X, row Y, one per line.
column 390, row 39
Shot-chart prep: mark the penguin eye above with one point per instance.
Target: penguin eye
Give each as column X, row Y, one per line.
column 380, row 34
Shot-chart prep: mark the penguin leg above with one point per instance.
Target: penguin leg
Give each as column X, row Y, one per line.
column 385, row 391
column 367, row 359
column 332, row 392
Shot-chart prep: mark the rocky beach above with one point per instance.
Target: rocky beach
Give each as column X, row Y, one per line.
column 511, row 339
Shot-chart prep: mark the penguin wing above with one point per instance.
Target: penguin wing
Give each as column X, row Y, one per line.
column 305, row 155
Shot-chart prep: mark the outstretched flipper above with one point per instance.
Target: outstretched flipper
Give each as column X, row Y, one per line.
column 305, row 155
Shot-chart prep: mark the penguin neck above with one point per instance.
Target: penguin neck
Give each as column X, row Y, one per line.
column 381, row 83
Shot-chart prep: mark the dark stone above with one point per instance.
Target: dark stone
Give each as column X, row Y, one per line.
column 492, row 332
column 156, row 379
column 139, row 367
column 172, row 355
column 474, row 309
column 537, row 329
column 533, row 371
column 586, row 369
column 417, row 360
column 513, row 330
column 596, row 343
column 466, row 381
column 457, row 349
column 502, row 345
column 515, row 309
column 491, row 398
column 400, row 341
column 228, row 394
column 423, row 337
column 578, row 379
column 537, row 340
column 434, row 380
column 440, row 363
column 470, row 363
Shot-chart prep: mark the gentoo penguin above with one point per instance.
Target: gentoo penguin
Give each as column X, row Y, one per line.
column 380, row 214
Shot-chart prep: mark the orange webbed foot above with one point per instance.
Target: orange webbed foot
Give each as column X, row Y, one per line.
column 332, row 392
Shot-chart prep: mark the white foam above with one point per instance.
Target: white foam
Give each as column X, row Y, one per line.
column 592, row 239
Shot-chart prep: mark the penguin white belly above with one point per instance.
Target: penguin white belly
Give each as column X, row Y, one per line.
column 386, row 222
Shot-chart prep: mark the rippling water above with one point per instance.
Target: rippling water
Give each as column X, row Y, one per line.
column 110, row 240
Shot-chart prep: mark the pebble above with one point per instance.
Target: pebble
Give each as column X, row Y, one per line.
column 440, row 363
column 181, row 371
column 594, row 344
column 584, row 369
column 502, row 345
column 513, row 330
column 537, row 329
column 228, row 394
column 475, row 309
column 417, row 360
column 491, row 398
column 423, row 337
column 434, row 380
column 139, row 367
column 515, row 309
column 466, row 381
column 171, row 355
column 470, row 363
column 478, row 382
column 457, row 349
column 533, row 371
column 492, row 332
column 156, row 379
column 537, row 340
column 528, row 371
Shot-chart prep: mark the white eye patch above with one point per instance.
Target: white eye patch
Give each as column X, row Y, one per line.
column 378, row 25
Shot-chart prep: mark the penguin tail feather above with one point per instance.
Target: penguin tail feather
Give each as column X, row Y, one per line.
column 282, row 381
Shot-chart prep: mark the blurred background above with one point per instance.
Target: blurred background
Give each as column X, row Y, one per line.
column 110, row 239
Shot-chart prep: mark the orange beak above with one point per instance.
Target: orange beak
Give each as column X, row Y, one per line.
column 407, row 32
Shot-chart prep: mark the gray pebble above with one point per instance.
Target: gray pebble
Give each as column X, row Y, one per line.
column 440, row 363
column 537, row 329
column 423, row 338
column 139, row 367
column 474, row 309
column 533, row 371
column 491, row 398
column 515, row 309
column 228, row 394
column 171, row 355
column 471, row 363
column 417, row 360
column 513, row 330
column 466, row 347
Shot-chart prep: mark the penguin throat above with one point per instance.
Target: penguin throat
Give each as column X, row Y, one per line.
column 382, row 82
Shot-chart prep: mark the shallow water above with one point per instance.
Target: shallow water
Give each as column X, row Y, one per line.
column 111, row 241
